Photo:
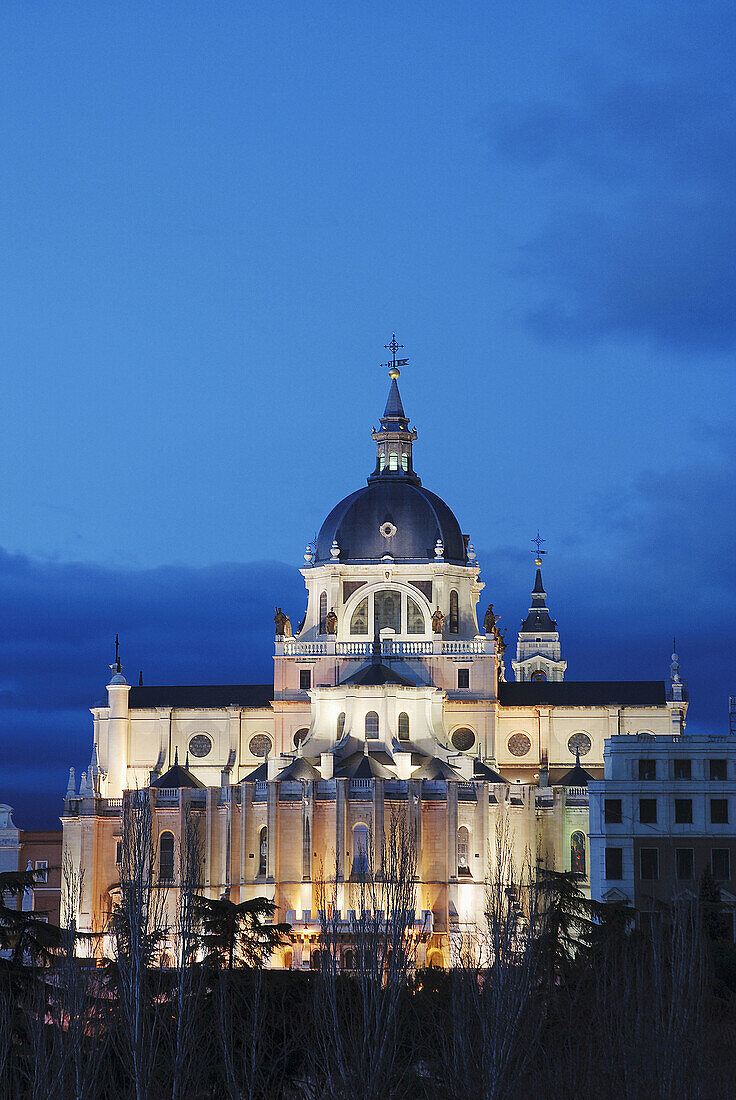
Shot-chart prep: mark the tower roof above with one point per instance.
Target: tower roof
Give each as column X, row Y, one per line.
column 538, row 619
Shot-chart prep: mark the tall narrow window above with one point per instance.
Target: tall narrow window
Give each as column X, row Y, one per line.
column 414, row 617
column 381, row 461
column 322, row 612
column 306, row 851
column 454, row 614
column 393, row 461
column 387, row 610
column 340, row 725
column 577, row 853
column 463, row 851
column 371, row 724
column 263, row 851
column 360, row 849
column 405, row 462
column 166, row 857
column 359, row 619
column 403, row 726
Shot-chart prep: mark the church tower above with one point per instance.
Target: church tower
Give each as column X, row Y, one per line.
column 538, row 653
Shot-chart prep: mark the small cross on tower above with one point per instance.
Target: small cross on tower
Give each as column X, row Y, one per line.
column 538, row 543
column 395, row 363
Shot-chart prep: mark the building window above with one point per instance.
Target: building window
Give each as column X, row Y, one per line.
column 340, row 724
column 414, row 617
column 719, row 811
column 519, row 744
column 463, row 739
column 403, row 726
column 359, row 618
column 300, row 737
column 720, row 862
column 404, row 462
column 314, row 960
column 539, row 676
column 260, row 745
column 118, row 852
column 263, row 851
column 463, row 677
column 463, row 851
column 683, row 769
column 347, row 960
column 648, row 811
column 360, row 850
column 615, row 863
column 649, row 864
column 288, row 958
column 166, row 857
column 200, row 745
column 612, row 811
column 684, row 863
column 577, row 853
column 322, row 612
column 454, row 613
column 305, row 679
column 647, row 769
column 387, row 611
column 306, row 851
column 580, row 743
column 683, row 811
column 42, row 870
column 393, row 461
column 371, row 724
column 718, row 770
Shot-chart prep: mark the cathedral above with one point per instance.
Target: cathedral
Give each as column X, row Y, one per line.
column 391, row 693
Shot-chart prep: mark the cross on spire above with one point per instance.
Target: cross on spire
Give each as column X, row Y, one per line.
column 395, row 363
column 538, row 543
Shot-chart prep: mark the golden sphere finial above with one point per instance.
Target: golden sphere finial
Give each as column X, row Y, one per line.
column 394, row 373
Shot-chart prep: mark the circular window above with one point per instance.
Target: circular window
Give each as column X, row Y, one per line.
column 300, row 737
column 200, row 745
column 260, row 745
column 463, row 739
column 519, row 744
column 387, row 530
column 579, row 742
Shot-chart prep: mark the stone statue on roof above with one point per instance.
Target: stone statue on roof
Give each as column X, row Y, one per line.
column 331, row 622
column 438, row 621
column 280, row 620
column 490, row 620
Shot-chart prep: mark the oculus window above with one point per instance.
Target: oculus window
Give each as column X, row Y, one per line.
column 463, row 739
column 519, row 744
column 200, row 745
column 260, row 745
column 579, row 742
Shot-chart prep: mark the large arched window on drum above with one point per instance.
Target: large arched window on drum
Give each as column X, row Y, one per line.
column 359, row 620
column 414, row 617
column 371, row 724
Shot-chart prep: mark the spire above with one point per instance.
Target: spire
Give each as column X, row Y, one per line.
column 538, row 653
column 116, row 668
column 394, row 438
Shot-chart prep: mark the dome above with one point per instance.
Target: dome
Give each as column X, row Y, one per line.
column 391, row 516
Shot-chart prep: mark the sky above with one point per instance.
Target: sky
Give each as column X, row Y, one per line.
column 212, row 219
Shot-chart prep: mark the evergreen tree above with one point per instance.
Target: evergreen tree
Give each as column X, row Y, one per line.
column 239, row 934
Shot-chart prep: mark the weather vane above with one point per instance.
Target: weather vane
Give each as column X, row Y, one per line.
column 538, row 543
column 393, row 347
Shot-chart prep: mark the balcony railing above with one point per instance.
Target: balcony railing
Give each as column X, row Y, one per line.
column 389, row 648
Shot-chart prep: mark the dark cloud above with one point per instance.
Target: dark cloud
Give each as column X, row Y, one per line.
column 639, row 178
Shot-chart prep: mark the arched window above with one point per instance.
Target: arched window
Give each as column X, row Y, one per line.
column 371, row 724
column 463, row 851
column 263, row 851
column 577, row 853
column 315, row 960
column 288, row 956
column 322, row 612
column 435, row 960
column 347, row 960
column 393, row 461
column 359, row 619
column 381, row 461
column 306, row 851
column 454, row 614
column 414, row 617
column 403, row 726
column 360, row 849
column 539, row 675
column 340, row 725
column 166, row 857
column 405, row 462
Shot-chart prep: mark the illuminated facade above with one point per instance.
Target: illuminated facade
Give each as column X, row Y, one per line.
column 390, row 693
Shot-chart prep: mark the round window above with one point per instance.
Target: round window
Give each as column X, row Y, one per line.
column 260, row 745
column 300, row 737
column 200, row 745
column 463, row 739
column 519, row 744
column 580, row 742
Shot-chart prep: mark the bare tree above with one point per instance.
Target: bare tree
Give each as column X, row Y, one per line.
column 187, row 1047
column 361, row 1051
column 496, row 1014
column 139, row 928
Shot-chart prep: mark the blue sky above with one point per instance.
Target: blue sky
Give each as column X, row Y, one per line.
column 212, row 217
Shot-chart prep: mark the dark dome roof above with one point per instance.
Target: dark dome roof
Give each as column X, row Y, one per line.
column 420, row 518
